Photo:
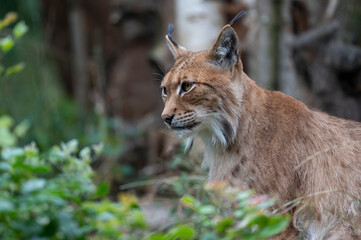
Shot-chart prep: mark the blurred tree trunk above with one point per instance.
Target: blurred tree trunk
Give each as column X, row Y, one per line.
column 288, row 78
column 327, row 53
column 270, row 54
column 80, row 60
column 310, row 50
column 260, row 59
column 197, row 23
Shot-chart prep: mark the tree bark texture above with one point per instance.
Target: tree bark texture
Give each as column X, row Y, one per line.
column 79, row 59
column 197, row 23
column 311, row 51
column 326, row 54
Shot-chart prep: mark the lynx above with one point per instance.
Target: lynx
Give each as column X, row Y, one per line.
column 266, row 140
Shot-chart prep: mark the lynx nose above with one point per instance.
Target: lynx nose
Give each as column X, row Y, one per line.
column 167, row 118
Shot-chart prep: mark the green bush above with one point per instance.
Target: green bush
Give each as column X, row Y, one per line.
column 51, row 195
column 233, row 214
column 8, row 38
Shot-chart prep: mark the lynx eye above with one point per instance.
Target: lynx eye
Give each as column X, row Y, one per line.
column 164, row 92
column 186, row 86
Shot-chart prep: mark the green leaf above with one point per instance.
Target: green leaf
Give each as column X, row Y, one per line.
column 9, row 153
column 31, row 167
column 105, row 216
column 71, row 146
column 6, row 122
column 275, row 225
column 7, row 139
column 56, row 155
column 31, row 151
column 189, row 202
column 6, row 206
column 266, row 204
column 223, row 224
column 207, row 209
column 138, row 220
column 244, row 195
column 257, row 219
column 239, row 213
column 42, row 220
column 14, row 69
column 85, row 153
column 20, row 29
column 102, row 190
column 4, row 166
column 68, row 226
column 6, row 44
column 98, row 148
column 33, row 185
column 181, row 232
column 157, row 236
column 9, row 19
column 209, row 236
column 21, row 129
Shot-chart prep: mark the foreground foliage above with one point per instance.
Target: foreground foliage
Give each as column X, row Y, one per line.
column 8, row 38
column 234, row 215
column 51, row 195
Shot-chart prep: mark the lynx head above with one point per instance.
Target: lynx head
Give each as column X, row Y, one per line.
column 203, row 90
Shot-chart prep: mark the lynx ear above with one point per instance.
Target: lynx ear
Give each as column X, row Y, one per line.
column 224, row 52
column 176, row 49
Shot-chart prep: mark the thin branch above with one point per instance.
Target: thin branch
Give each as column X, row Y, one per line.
column 310, row 37
column 331, row 9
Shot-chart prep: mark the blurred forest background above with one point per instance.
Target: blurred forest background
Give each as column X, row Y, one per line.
column 93, row 69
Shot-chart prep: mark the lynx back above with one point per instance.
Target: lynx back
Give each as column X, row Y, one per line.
column 266, row 140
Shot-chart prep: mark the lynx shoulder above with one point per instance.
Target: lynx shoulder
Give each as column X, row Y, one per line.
column 266, row 140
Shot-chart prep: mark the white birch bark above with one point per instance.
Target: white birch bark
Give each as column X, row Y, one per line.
column 197, row 23
column 260, row 61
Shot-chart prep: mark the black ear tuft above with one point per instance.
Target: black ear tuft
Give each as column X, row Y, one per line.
column 238, row 16
column 170, row 32
column 177, row 50
column 224, row 52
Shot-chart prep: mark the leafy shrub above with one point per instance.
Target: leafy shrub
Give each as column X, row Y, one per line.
column 8, row 38
column 234, row 214
column 225, row 213
column 51, row 195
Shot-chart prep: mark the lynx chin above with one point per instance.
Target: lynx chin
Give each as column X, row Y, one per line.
column 266, row 140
